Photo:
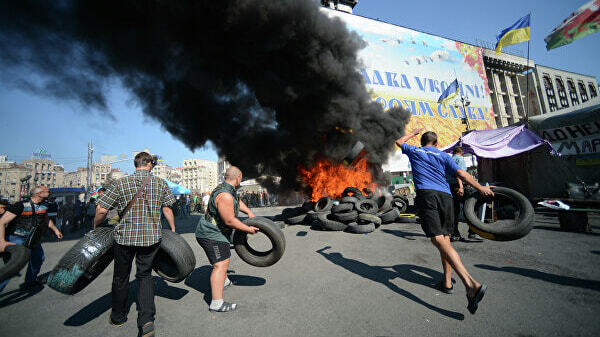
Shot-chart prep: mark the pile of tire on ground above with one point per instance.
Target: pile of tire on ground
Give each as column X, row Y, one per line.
column 355, row 212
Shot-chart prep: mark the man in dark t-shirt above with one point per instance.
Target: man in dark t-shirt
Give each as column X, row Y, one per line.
column 19, row 220
column 434, row 202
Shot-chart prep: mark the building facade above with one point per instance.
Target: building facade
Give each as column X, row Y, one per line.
column 12, row 181
column 199, row 175
column 167, row 172
column 222, row 166
column 564, row 91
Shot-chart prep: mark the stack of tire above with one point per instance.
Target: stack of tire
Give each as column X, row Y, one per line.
column 355, row 212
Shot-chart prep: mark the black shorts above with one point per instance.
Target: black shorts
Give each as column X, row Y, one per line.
column 216, row 251
column 436, row 212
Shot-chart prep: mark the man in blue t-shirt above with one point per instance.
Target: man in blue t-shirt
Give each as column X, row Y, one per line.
column 434, row 202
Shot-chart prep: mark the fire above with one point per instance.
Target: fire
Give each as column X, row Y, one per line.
column 329, row 180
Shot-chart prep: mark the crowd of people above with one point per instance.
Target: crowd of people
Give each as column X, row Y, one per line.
column 137, row 233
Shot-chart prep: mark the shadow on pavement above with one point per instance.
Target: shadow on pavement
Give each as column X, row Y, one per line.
column 199, row 279
column 104, row 303
column 381, row 275
column 403, row 234
column 597, row 252
column 18, row 295
column 558, row 229
column 552, row 278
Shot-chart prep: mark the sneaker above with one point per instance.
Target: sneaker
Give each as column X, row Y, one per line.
column 225, row 307
column 147, row 330
column 473, row 236
column 455, row 238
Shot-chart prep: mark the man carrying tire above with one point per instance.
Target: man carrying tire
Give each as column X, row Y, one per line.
column 214, row 230
column 138, row 235
column 434, row 202
column 20, row 220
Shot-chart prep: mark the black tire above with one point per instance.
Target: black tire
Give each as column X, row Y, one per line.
column 348, row 200
column 308, row 206
column 254, row 257
column 295, row 220
column 83, row 262
column 326, row 223
column 344, row 217
column 365, row 218
column 18, row 256
column 343, row 207
column 324, row 204
column 361, row 229
column 366, row 206
column 291, row 212
column 312, row 216
column 384, row 203
column 502, row 230
column 406, row 218
column 353, row 192
column 390, row 216
column 400, row 203
column 175, row 259
column 368, row 193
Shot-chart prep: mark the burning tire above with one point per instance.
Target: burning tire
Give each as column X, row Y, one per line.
column 390, row 216
column 175, row 259
column 361, row 229
column 83, row 262
column 365, row 218
column 366, row 206
column 343, row 207
column 345, row 217
column 512, row 216
column 324, row 222
column 260, row 258
column 18, row 256
column 349, row 200
column 308, row 206
column 353, row 192
column 324, row 204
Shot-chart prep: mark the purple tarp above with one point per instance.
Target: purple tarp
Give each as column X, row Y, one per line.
column 498, row 143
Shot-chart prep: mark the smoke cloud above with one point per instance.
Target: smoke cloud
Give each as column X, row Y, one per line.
column 267, row 82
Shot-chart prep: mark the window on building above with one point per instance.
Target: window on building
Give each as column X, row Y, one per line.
column 562, row 93
column 502, row 79
column 572, row 92
column 583, row 92
column 593, row 92
column 550, row 93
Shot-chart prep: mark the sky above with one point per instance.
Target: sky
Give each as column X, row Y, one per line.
column 29, row 123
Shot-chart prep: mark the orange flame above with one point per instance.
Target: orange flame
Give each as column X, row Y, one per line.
column 329, row 180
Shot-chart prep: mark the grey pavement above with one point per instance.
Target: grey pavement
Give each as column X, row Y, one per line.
column 341, row 284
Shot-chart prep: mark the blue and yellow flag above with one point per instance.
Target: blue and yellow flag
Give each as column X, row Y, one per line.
column 517, row 33
column 450, row 92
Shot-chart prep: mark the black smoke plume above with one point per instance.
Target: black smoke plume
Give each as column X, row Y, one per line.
column 266, row 81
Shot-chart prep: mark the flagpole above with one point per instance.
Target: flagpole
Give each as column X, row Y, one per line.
column 527, row 75
column 462, row 100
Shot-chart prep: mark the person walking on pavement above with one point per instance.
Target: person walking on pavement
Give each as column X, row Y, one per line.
column 214, row 230
column 139, row 198
column 20, row 219
column 434, row 202
column 457, row 189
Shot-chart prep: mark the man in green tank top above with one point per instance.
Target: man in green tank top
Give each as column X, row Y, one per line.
column 214, row 230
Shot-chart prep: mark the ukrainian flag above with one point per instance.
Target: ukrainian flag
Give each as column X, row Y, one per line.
column 450, row 92
column 517, row 33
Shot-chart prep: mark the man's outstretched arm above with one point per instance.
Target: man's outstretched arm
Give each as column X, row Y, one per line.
column 408, row 136
column 485, row 190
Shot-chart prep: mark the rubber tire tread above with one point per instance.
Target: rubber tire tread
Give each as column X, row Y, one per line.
column 522, row 226
column 344, row 217
column 328, row 224
column 361, row 229
column 85, row 261
column 256, row 258
column 175, row 259
column 349, row 200
column 342, row 207
column 403, row 201
column 295, row 220
column 384, row 203
column 390, row 216
column 324, row 204
column 366, row 206
column 18, row 258
column 365, row 218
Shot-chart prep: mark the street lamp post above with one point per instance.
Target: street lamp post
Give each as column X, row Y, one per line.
column 465, row 102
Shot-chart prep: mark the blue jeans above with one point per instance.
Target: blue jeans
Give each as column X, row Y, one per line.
column 35, row 261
